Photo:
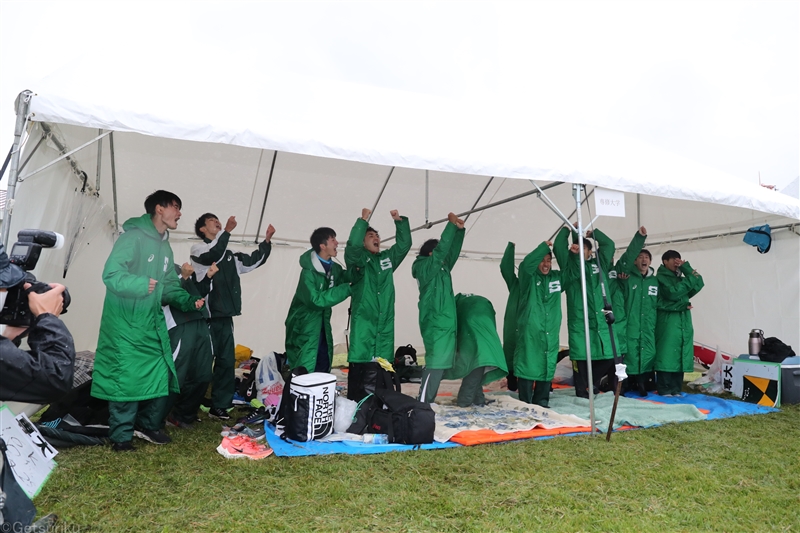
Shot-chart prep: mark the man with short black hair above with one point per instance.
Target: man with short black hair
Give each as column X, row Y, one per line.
column 133, row 363
column 322, row 284
column 224, row 299
column 677, row 283
column 371, row 271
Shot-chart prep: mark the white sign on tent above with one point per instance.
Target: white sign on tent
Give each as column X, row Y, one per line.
column 609, row 203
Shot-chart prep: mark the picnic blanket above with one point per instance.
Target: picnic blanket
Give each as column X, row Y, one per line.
column 508, row 419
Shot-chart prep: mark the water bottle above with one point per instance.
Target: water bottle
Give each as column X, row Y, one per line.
column 375, row 438
column 755, row 342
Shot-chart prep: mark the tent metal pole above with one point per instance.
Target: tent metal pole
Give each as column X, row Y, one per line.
column 378, row 199
column 638, row 210
column 266, row 194
column 479, row 197
column 590, row 379
column 426, row 195
column 64, row 156
column 114, row 183
column 714, row 236
column 549, row 203
column 23, row 103
column 62, row 149
column 99, row 160
column 5, row 163
column 483, row 207
column 38, row 144
column 570, row 215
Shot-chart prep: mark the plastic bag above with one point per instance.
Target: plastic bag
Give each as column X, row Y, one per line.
column 269, row 385
column 343, row 414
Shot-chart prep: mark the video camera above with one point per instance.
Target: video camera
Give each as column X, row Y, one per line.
column 25, row 254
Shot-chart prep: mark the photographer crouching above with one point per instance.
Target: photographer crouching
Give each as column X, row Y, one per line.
column 43, row 373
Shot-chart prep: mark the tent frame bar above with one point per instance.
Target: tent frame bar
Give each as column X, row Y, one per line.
column 480, row 196
column 378, row 199
column 99, row 160
column 483, row 207
column 790, row 227
column 266, row 194
column 114, row 183
column 38, row 144
column 63, row 156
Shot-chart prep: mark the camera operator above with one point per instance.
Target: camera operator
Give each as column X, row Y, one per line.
column 44, row 373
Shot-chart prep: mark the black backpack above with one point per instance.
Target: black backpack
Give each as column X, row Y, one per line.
column 372, row 377
column 775, row 350
column 404, row 419
column 407, row 371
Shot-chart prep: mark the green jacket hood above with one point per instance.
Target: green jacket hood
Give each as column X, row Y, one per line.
column 311, row 261
column 144, row 224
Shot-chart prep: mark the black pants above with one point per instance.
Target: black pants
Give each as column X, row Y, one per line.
column 600, row 369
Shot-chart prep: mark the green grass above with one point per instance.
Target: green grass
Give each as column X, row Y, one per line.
column 740, row 474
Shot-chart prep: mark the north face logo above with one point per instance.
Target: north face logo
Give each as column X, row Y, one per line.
column 386, row 263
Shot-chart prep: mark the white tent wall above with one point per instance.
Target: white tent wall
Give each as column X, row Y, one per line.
column 744, row 290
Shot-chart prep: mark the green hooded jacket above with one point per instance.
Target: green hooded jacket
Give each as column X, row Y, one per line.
column 641, row 296
column 199, row 289
column 372, row 303
column 674, row 330
column 225, row 296
column 437, row 305
column 478, row 342
column 510, row 316
column 133, row 361
column 539, row 319
column 600, row 340
column 619, row 289
column 310, row 310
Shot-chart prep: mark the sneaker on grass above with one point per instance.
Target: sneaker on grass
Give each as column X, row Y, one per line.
column 156, row 437
column 218, row 413
column 240, row 429
column 123, row 446
column 241, row 447
column 256, row 417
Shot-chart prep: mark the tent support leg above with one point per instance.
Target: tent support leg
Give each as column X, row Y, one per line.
column 23, row 103
column 114, row 183
column 479, row 197
column 590, row 379
column 266, row 194
column 99, row 159
column 378, row 199
column 483, row 207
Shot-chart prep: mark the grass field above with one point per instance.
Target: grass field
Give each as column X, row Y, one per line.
column 740, row 474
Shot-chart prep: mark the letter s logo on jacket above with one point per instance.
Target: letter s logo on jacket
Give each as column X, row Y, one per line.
column 652, row 291
column 386, row 263
column 555, row 286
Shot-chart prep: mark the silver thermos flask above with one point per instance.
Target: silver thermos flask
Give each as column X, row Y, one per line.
column 756, row 341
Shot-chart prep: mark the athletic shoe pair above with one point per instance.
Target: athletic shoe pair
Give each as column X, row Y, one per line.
column 241, row 447
column 240, row 429
column 156, row 437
